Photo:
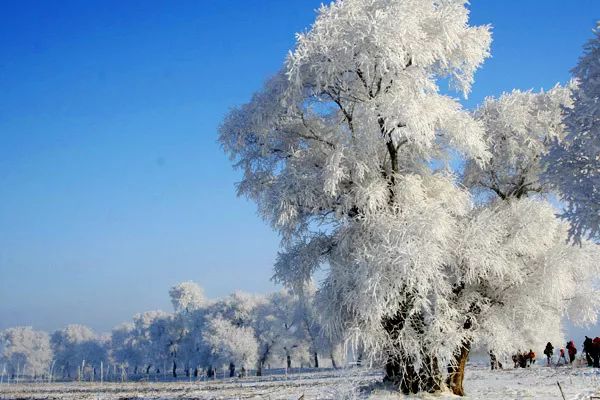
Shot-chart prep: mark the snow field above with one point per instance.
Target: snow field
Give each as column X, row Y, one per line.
column 539, row 383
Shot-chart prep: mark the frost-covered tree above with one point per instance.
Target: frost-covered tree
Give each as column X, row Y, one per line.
column 158, row 338
column 520, row 128
column 230, row 344
column 76, row 346
column 278, row 328
column 311, row 329
column 337, row 152
column 192, row 350
column 517, row 275
column 518, row 278
column 238, row 307
column 126, row 348
column 25, row 351
column 575, row 162
column 187, row 296
column 255, row 312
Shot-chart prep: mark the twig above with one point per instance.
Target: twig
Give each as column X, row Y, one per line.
column 561, row 391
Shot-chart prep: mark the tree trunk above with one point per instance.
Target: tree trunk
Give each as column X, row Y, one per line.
column 174, row 369
column 316, row 360
column 399, row 368
column 333, row 363
column 289, row 361
column 456, row 372
column 259, row 368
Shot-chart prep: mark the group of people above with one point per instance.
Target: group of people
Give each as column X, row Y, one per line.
column 524, row 359
column 591, row 348
column 562, row 355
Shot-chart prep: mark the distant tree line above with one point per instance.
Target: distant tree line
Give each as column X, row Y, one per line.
column 231, row 336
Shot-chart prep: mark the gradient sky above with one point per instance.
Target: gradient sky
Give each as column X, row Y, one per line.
column 112, row 185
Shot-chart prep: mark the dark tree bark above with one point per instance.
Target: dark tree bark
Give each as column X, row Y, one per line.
column 316, row 360
column 174, row 369
column 399, row 368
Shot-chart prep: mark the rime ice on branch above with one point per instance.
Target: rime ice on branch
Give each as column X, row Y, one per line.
column 575, row 162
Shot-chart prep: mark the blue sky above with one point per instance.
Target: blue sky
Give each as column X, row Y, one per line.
column 112, row 185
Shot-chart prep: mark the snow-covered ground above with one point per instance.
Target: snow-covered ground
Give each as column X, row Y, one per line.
column 481, row 383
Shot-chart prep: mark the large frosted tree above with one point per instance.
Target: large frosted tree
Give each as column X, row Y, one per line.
column 337, row 152
column 575, row 162
column 519, row 278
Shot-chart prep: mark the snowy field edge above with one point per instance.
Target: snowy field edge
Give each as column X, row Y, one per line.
column 532, row 383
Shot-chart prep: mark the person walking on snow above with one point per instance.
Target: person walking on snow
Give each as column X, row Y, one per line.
column 548, row 352
column 596, row 352
column 572, row 351
column 562, row 356
column 587, row 349
column 494, row 361
column 531, row 357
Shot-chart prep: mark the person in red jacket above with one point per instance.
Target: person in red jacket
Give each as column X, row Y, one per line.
column 562, row 357
column 531, row 357
column 596, row 352
column 572, row 351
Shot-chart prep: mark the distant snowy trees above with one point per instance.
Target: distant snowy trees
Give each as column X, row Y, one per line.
column 575, row 162
column 186, row 297
column 24, row 351
column 239, row 333
column 230, row 345
column 75, row 347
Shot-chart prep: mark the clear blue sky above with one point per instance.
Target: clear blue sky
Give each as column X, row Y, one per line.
column 112, row 185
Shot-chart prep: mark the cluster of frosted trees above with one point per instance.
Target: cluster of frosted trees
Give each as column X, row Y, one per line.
column 436, row 227
column 243, row 331
column 232, row 335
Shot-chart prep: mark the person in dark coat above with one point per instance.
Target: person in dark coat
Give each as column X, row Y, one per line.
column 572, row 350
column 587, row 349
column 494, row 361
column 548, row 352
column 596, row 352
